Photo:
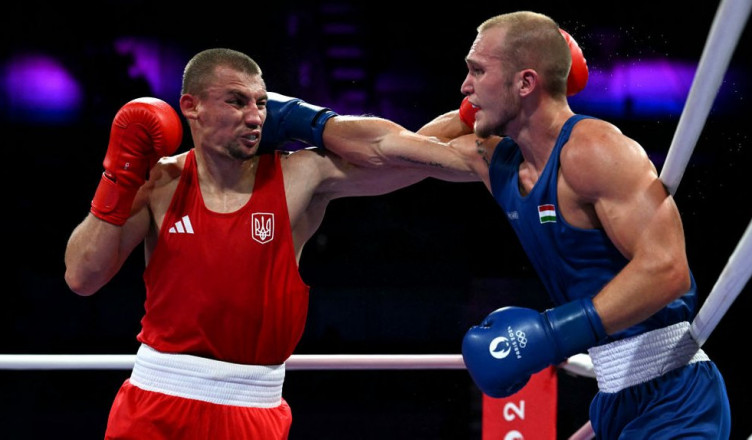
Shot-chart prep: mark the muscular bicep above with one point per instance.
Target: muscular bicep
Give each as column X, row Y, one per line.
column 644, row 224
column 96, row 250
column 313, row 178
column 446, row 127
column 645, row 220
column 613, row 174
column 379, row 143
column 345, row 179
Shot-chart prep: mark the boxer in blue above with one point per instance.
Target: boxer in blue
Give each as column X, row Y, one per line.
column 598, row 225
column 602, row 232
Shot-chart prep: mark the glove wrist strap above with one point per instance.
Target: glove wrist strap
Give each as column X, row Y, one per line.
column 575, row 327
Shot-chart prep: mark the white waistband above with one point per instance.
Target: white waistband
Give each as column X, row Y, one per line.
column 208, row 380
column 638, row 359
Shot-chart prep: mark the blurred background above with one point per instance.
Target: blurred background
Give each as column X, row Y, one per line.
column 407, row 272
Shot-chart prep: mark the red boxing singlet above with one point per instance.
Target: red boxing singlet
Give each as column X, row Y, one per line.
column 226, row 286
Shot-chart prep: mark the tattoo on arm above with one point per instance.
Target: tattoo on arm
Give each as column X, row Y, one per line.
column 482, row 151
column 420, row 162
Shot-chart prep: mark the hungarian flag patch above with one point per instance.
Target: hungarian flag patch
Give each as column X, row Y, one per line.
column 547, row 213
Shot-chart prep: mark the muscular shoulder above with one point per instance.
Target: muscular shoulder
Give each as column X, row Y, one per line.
column 307, row 170
column 599, row 157
column 163, row 179
column 167, row 169
column 310, row 162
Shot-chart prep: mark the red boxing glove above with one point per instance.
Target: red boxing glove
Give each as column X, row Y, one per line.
column 578, row 73
column 467, row 112
column 143, row 130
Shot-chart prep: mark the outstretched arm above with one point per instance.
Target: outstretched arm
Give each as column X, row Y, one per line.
column 370, row 142
column 379, row 143
column 452, row 124
column 446, row 127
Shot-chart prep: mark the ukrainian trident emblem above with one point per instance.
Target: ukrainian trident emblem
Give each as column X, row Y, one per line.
column 262, row 226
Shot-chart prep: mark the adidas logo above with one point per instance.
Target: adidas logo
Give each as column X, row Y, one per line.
column 183, row 226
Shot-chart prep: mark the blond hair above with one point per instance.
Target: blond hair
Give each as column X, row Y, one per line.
column 533, row 41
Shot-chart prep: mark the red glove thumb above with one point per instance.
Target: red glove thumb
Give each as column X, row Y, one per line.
column 578, row 73
column 467, row 112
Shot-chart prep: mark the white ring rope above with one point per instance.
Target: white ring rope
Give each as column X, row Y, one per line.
column 578, row 364
column 731, row 282
column 725, row 31
column 728, row 23
column 295, row 362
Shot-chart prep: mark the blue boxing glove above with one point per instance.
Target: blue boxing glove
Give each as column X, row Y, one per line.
column 513, row 343
column 292, row 120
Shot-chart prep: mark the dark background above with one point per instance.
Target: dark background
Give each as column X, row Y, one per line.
column 407, row 272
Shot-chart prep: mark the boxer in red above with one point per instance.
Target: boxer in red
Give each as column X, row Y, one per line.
column 223, row 229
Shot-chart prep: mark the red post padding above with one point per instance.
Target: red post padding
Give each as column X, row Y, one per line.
column 528, row 414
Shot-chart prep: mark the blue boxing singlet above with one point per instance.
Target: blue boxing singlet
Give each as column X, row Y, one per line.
column 572, row 262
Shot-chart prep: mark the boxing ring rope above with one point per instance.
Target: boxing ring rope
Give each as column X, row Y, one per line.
column 732, row 280
column 295, row 362
column 728, row 24
column 578, row 364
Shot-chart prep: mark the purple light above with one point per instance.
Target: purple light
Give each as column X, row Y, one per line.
column 348, row 74
column 160, row 67
column 658, row 86
column 643, row 88
column 344, row 52
column 39, row 88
